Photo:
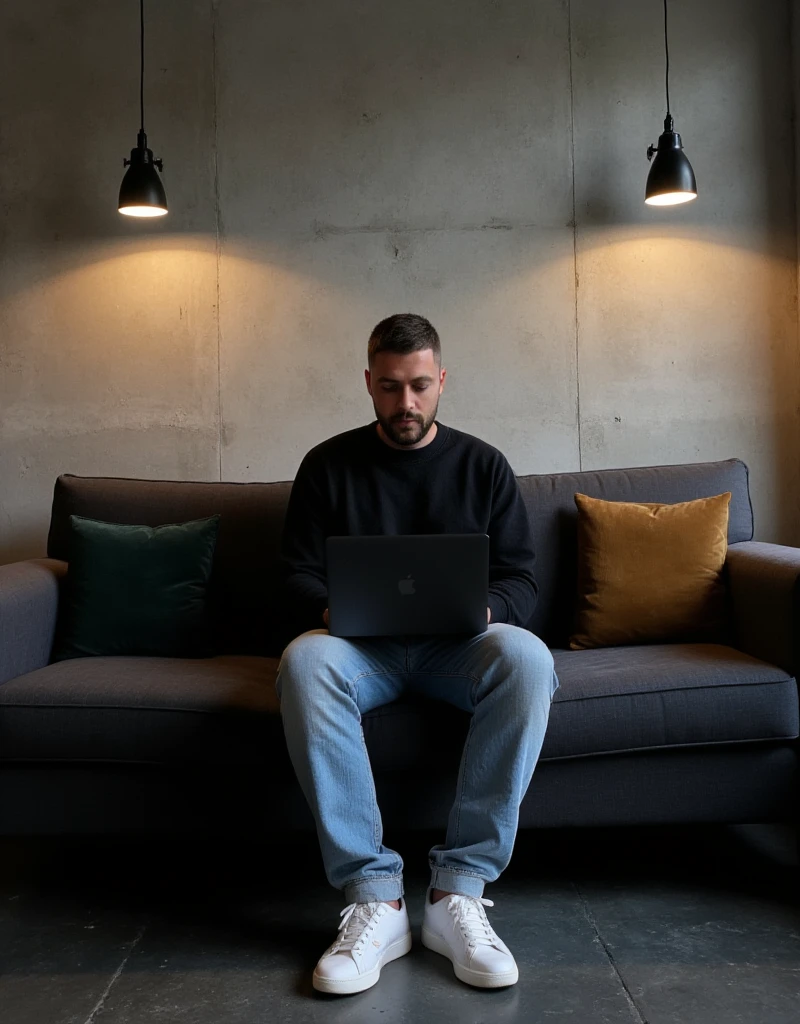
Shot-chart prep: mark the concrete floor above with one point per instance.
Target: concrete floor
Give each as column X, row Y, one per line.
column 663, row 925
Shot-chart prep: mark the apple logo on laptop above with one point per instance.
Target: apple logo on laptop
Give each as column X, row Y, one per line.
column 406, row 586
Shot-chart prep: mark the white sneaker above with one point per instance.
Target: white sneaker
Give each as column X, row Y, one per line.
column 457, row 927
column 370, row 935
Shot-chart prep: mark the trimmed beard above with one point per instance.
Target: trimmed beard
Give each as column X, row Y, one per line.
column 407, row 437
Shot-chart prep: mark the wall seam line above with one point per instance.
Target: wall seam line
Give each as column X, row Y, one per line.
column 574, row 235
column 216, row 228
column 793, row 74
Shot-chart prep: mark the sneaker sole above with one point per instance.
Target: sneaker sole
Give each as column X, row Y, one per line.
column 479, row 979
column 347, row 986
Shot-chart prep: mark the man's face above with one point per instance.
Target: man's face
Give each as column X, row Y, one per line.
column 405, row 392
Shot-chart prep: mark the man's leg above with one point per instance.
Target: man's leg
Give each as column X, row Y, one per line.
column 505, row 678
column 324, row 685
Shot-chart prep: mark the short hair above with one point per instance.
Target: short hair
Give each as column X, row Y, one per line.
column 404, row 333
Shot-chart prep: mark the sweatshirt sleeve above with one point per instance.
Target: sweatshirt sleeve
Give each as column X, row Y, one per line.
column 513, row 589
column 302, row 552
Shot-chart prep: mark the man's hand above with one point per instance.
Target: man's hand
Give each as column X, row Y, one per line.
column 488, row 615
column 325, row 616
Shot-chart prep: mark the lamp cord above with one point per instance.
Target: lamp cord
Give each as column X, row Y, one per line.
column 141, row 70
column 666, row 47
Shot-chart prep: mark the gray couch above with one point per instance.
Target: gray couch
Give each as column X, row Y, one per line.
column 654, row 734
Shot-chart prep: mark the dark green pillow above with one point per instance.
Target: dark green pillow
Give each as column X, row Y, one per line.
column 137, row 590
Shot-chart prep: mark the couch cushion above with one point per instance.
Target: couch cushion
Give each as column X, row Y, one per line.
column 137, row 590
column 225, row 710
column 244, row 586
column 549, row 498
column 666, row 695
column 161, row 710
column 624, row 546
column 615, row 699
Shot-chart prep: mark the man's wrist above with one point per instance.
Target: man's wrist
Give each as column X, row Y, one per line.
column 498, row 608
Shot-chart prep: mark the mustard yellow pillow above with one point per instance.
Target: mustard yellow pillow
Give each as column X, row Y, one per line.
column 649, row 572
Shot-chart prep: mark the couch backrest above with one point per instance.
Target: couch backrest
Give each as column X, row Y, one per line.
column 245, row 580
column 244, row 585
column 549, row 498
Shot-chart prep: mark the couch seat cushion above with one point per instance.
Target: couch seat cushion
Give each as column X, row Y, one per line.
column 161, row 710
column 666, row 695
column 225, row 710
column 614, row 699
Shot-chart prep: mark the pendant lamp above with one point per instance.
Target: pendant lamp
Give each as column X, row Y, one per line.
column 141, row 193
column 671, row 178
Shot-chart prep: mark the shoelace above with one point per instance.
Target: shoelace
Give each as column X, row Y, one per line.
column 471, row 918
column 358, row 922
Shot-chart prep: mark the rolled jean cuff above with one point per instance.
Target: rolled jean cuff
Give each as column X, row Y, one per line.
column 374, row 890
column 449, row 880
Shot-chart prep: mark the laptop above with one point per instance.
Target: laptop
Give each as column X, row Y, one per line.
column 399, row 584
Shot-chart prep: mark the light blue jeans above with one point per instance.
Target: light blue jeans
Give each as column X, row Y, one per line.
column 503, row 677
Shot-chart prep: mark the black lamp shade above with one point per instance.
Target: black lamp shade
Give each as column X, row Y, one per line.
column 671, row 179
column 141, row 193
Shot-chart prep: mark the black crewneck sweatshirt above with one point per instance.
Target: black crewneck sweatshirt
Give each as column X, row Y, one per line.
column 355, row 484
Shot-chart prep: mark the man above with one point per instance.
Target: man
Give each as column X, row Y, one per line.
column 407, row 473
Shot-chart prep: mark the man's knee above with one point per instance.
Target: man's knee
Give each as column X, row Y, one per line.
column 303, row 643
column 528, row 661
column 521, row 646
column 304, row 658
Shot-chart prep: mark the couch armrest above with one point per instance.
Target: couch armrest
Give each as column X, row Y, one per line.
column 764, row 583
column 28, row 612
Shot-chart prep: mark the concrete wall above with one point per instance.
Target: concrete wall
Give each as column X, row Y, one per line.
column 481, row 162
